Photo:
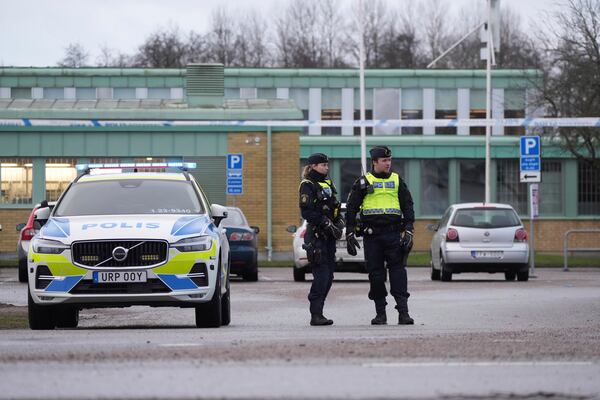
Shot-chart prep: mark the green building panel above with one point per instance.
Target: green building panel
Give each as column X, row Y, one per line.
column 334, row 82
column 64, row 81
column 155, row 82
column 82, row 81
column 162, row 143
column 136, row 81
column 26, row 81
column 171, row 81
column 118, row 144
column 100, row 81
column 51, row 144
column 264, row 82
column 29, row 144
column 74, row 143
column 299, row 82
column 96, row 144
column 10, row 144
column 140, row 145
column 9, row 81
column 46, row 81
column 118, row 81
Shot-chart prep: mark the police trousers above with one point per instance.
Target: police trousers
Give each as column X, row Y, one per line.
column 322, row 274
column 382, row 249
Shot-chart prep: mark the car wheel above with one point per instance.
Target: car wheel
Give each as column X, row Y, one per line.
column 209, row 314
column 510, row 275
column 23, row 270
column 445, row 275
column 299, row 275
column 66, row 317
column 251, row 275
column 523, row 276
column 435, row 273
column 40, row 317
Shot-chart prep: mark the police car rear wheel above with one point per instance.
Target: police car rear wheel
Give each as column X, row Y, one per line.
column 209, row 314
column 66, row 317
column 40, row 317
column 23, row 270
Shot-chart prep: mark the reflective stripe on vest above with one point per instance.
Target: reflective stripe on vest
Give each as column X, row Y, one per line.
column 384, row 199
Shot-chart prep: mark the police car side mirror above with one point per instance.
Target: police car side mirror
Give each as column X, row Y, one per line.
column 20, row 226
column 256, row 229
column 292, row 229
column 42, row 213
column 219, row 213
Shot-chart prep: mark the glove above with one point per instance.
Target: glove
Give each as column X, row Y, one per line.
column 352, row 244
column 339, row 223
column 406, row 241
column 330, row 229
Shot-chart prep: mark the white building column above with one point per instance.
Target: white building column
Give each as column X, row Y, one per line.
column 70, row 93
column 498, row 110
column 347, row 110
column 4, row 93
column 37, row 93
column 463, row 110
column 176, row 93
column 314, row 109
column 141, row 93
column 429, row 109
column 248, row 93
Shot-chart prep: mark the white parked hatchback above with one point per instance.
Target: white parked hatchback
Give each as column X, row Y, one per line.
column 479, row 237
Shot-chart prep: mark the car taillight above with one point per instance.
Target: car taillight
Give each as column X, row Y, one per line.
column 241, row 237
column 302, row 233
column 27, row 233
column 521, row 235
column 452, row 235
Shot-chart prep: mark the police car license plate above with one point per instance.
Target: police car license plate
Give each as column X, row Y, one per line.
column 119, row 276
column 486, row 254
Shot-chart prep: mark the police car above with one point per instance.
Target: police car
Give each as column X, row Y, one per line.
column 118, row 238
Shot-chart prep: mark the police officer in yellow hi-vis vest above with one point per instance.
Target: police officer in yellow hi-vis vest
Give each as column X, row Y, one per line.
column 321, row 210
column 386, row 221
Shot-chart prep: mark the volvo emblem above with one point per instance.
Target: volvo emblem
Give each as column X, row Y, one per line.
column 119, row 253
column 486, row 234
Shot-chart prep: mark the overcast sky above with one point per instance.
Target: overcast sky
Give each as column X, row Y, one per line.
column 36, row 32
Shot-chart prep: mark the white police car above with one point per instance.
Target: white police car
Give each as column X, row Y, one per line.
column 129, row 238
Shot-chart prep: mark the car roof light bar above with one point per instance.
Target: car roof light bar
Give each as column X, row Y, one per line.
column 181, row 165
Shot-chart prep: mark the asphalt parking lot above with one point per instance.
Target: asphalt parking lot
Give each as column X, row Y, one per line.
column 477, row 336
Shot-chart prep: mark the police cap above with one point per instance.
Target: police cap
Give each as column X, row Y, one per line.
column 317, row 158
column 380, row 152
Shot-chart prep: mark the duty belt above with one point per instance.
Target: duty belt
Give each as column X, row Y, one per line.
column 376, row 230
column 373, row 211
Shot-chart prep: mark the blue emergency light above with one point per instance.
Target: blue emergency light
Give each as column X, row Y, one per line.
column 181, row 165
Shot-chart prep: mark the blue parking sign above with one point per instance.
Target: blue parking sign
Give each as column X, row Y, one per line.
column 530, row 146
column 235, row 161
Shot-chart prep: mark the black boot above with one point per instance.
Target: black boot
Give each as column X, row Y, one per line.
column 380, row 319
column 405, row 319
column 320, row 320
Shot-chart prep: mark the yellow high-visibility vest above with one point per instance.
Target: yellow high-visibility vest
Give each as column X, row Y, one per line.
column 384, row 199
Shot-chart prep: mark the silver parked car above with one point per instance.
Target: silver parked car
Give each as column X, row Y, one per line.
column 344, row 261
column 479, row 237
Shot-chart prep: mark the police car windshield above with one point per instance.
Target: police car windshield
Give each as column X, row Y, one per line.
column 129, row 196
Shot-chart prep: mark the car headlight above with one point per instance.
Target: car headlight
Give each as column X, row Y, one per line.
column 45, row 246
column 197, row 243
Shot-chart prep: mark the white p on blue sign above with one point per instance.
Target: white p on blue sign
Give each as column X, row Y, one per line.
column 235, row 175
column 530, row 146
column 235, row 161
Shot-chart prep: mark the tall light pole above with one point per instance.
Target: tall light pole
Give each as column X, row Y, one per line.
column 361, row 62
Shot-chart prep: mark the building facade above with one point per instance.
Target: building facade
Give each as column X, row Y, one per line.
column 441, row 165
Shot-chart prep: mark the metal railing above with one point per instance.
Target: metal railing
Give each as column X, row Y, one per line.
column 566, row 248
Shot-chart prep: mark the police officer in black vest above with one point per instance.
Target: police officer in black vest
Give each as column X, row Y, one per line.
column 321, row 209
column 386, row 221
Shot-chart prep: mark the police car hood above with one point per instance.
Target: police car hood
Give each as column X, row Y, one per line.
column 164, row 227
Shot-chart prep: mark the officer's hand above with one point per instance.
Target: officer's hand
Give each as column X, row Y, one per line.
column 406, row 241
column 339, row 223
column 352, row 244
column 329, row 227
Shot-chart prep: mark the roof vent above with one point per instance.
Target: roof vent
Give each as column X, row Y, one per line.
column 205, row 85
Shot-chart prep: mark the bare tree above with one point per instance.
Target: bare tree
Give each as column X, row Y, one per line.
column 372, row 19
column 75, row 56
column 222, row 36
column 571, row 84
column 332, row 33
column 401, row 47
column 112, row 58
column 164, row 48
column 436, row 31
column 252, row 47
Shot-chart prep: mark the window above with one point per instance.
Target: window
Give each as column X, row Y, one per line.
column 412, row 108
column 514, row 107
column 514, row 130
column 509, row 190
column 350, row 170
column 588, row 189
column 85, row 93
column 59, row 173
column 232, row 93
column 159, row 93
column 54, row 93
column 247, row 93
column 124, row 93
column 434, row 186
column 445, row 108
column 331, row 114
column 472, row 181
column 551, row 188
column 20, row 93
column 477, row 111
column 15, row 185
column 368, row 117
column 267, row 93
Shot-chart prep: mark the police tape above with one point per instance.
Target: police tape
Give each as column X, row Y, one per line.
column 440, row 123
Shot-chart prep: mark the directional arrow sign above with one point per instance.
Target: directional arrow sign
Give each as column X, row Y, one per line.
column 531, row 176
